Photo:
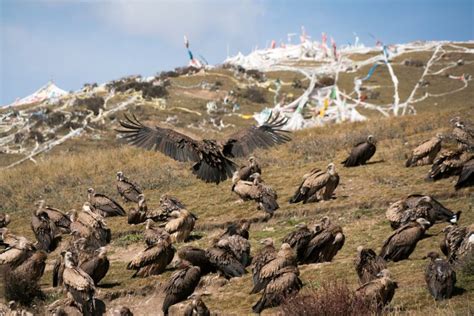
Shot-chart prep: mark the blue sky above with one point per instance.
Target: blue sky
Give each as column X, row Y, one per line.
column 74, row 42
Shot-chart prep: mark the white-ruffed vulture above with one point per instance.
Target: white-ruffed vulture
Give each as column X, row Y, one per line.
column 419, row 206
column 368, row 264
column 46, row 232
column 317, row 185
column 128, row 190
column 4, row 220
column 223, row 260
column 97, row 265
column 257, row 191
column 458, row 242
column 180, row 286
column 326, row 241
column 361, row 153
column 196, row 307
column 402, row 242
column 104, row 205
column 266, row 254
column 425, row 153
column 245, row 172
column 298, row 240
column 440, row 277
column 466, row 177
column 211, row 158
column 380, row 290
column 448, row 163
column 61, row 220
column 180, row 225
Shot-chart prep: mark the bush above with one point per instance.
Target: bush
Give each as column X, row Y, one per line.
column 254, row 95
column 20, row 290
column 332, row 298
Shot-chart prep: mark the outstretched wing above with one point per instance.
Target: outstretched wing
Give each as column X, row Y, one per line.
column 171, row 143
column 246, row 141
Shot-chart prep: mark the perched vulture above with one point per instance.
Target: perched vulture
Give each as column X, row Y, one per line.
column 317, row 185
column 258, row 191
column 368, row 264
column 285, row 257
column 153, row 234
column 58, row 269
column 239, row 246
column 196, row 307
column 170, row 203
column 61, row 220
column 326, row 241
column 196, row 257
column 97, row 265
column 425, row 153
column 223, row 260
column 419, row 206
column 210, row 158
column 89, row 225
column 122, row 311
column 458, row 242
column 19, row 249
column 32, row 268
column 80, row 285
column 402, row 242
column 440, row 277
column 104, row 205
column 4, row 220
column 380, row 290
column 285, row 283
column 245, row 172
column 154, row 259
column 361, row 153
column 264, row 256
column 466, row 177
column 180, row 286
column 128, row 190
column 180, row 225
column 298, row 240
column 463, row 135
column 139, row 215
column 45, row 231
column 234, row 229
column 448, row 163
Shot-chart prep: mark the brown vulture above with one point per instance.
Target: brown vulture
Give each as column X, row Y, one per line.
column 264, row 256
column 97, row 265
column 402, row 242
column 80, row 285
column 128, row 190
column 368, row 264
column 122, row 311
column 448, row 163
column 466, row 177
column 18, row 249
column 180, row 225
column 463, row 135
column 197, row 257
column 104, row 205
column 196, row 307
column 440, row 277
column 458, row 242
column 380, row 290
column 223, row 260
column 154, row 259
column 326, row 241
column 180, row 286
column 317, row 185
column 419, row 206
column 170, row 203
column 32, row 269
column 245, row 172
column 61, row 220
column 153, row 234
column 4, row 220
column 239, row 246
column 425, row 153
column 211, row 158
column 89, row 225
column 140, row 214
column 298, row 240
column 242, row 229
column 361, row 153
column 258, row 191
column 46, row 232
column 284, row 284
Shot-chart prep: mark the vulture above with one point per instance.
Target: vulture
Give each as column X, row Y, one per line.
column 104, row 205
column 239, row 246
column 154, row 259
column 285, row 283
column 180, row 286
column 58, row 269
column 170, row 203
column 361, row 153
column 258, row 191
column 32, row 268
column 458, row 242
column 448, row 163
column 368, row 264
column 129, row 191
column 196, row 307
column 264, row 256
column 4, row 220
column 61, row 220
column 245, row 172
column 440, row 277
column 425, row 153
column 326, row 241
column 402, row 242
column 380, row 290
column 45, row 231
column 242, row 230
column 298, row 240
column 89, row 225
column 80, row 285
column 97, row 265
column 153, row 234
column 285, row 257
column 19, row 249
column 466, row 177
column 180, row 225
column 463, row 135
column 222, row 258
column 317, row 185
column 122, row 311
column 196, row 257
column 419, row 206
column 210, row 158
column 139, row 215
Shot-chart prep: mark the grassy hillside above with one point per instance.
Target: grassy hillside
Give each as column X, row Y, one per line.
column 63, row 175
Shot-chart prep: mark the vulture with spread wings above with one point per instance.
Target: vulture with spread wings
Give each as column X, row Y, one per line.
column 211, row 158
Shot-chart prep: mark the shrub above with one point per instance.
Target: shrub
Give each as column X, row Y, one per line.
column 254, row 95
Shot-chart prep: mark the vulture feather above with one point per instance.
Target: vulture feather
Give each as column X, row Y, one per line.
column 440, row 277
column 264, row 256
column 46, row 232
column 458, row 242
column 128, row 190
column 317, row 185
column 223, row 260
column 326, row 241
column 196, row 257
column 104, row 205
column 425, row 153
column 180, row 286
column 368, row 264
column 380, row 290
column 361, row 153
column 448, row 163
column 258, row 191
column 196, row 307
column 96, row 266
column 466, row 177
column 4, row 220
column 298, row 240
column 61, row 220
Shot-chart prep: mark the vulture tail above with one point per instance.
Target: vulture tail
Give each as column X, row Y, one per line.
column 466, row 179
column 270, row 205
column 299, row 195
column 409, row 163
column 260, row 305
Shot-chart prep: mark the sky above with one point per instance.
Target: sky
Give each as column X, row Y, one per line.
column 73, row 42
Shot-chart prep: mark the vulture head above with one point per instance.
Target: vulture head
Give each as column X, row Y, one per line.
column 73, row 215
column 267, row 242
column 371, row 139
column 120, row 176
column 223, row 243
column 423, row 223
column 439, row 136
column 385, row 273
column 285, row 246
column 39, row 204
column 325, row 221
column 87, row 207
column 69, row 260
column 149, row 223
column 332, row 169
column 102, row 252
column 122, row 311
column 7, row 219
column 256, row 178
column 432, row 255
column 245, row 224
column 301, row 226
column 252, row 161
column 90, row 192
column 360, row 249
column 24, row 244
column 141, row 199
